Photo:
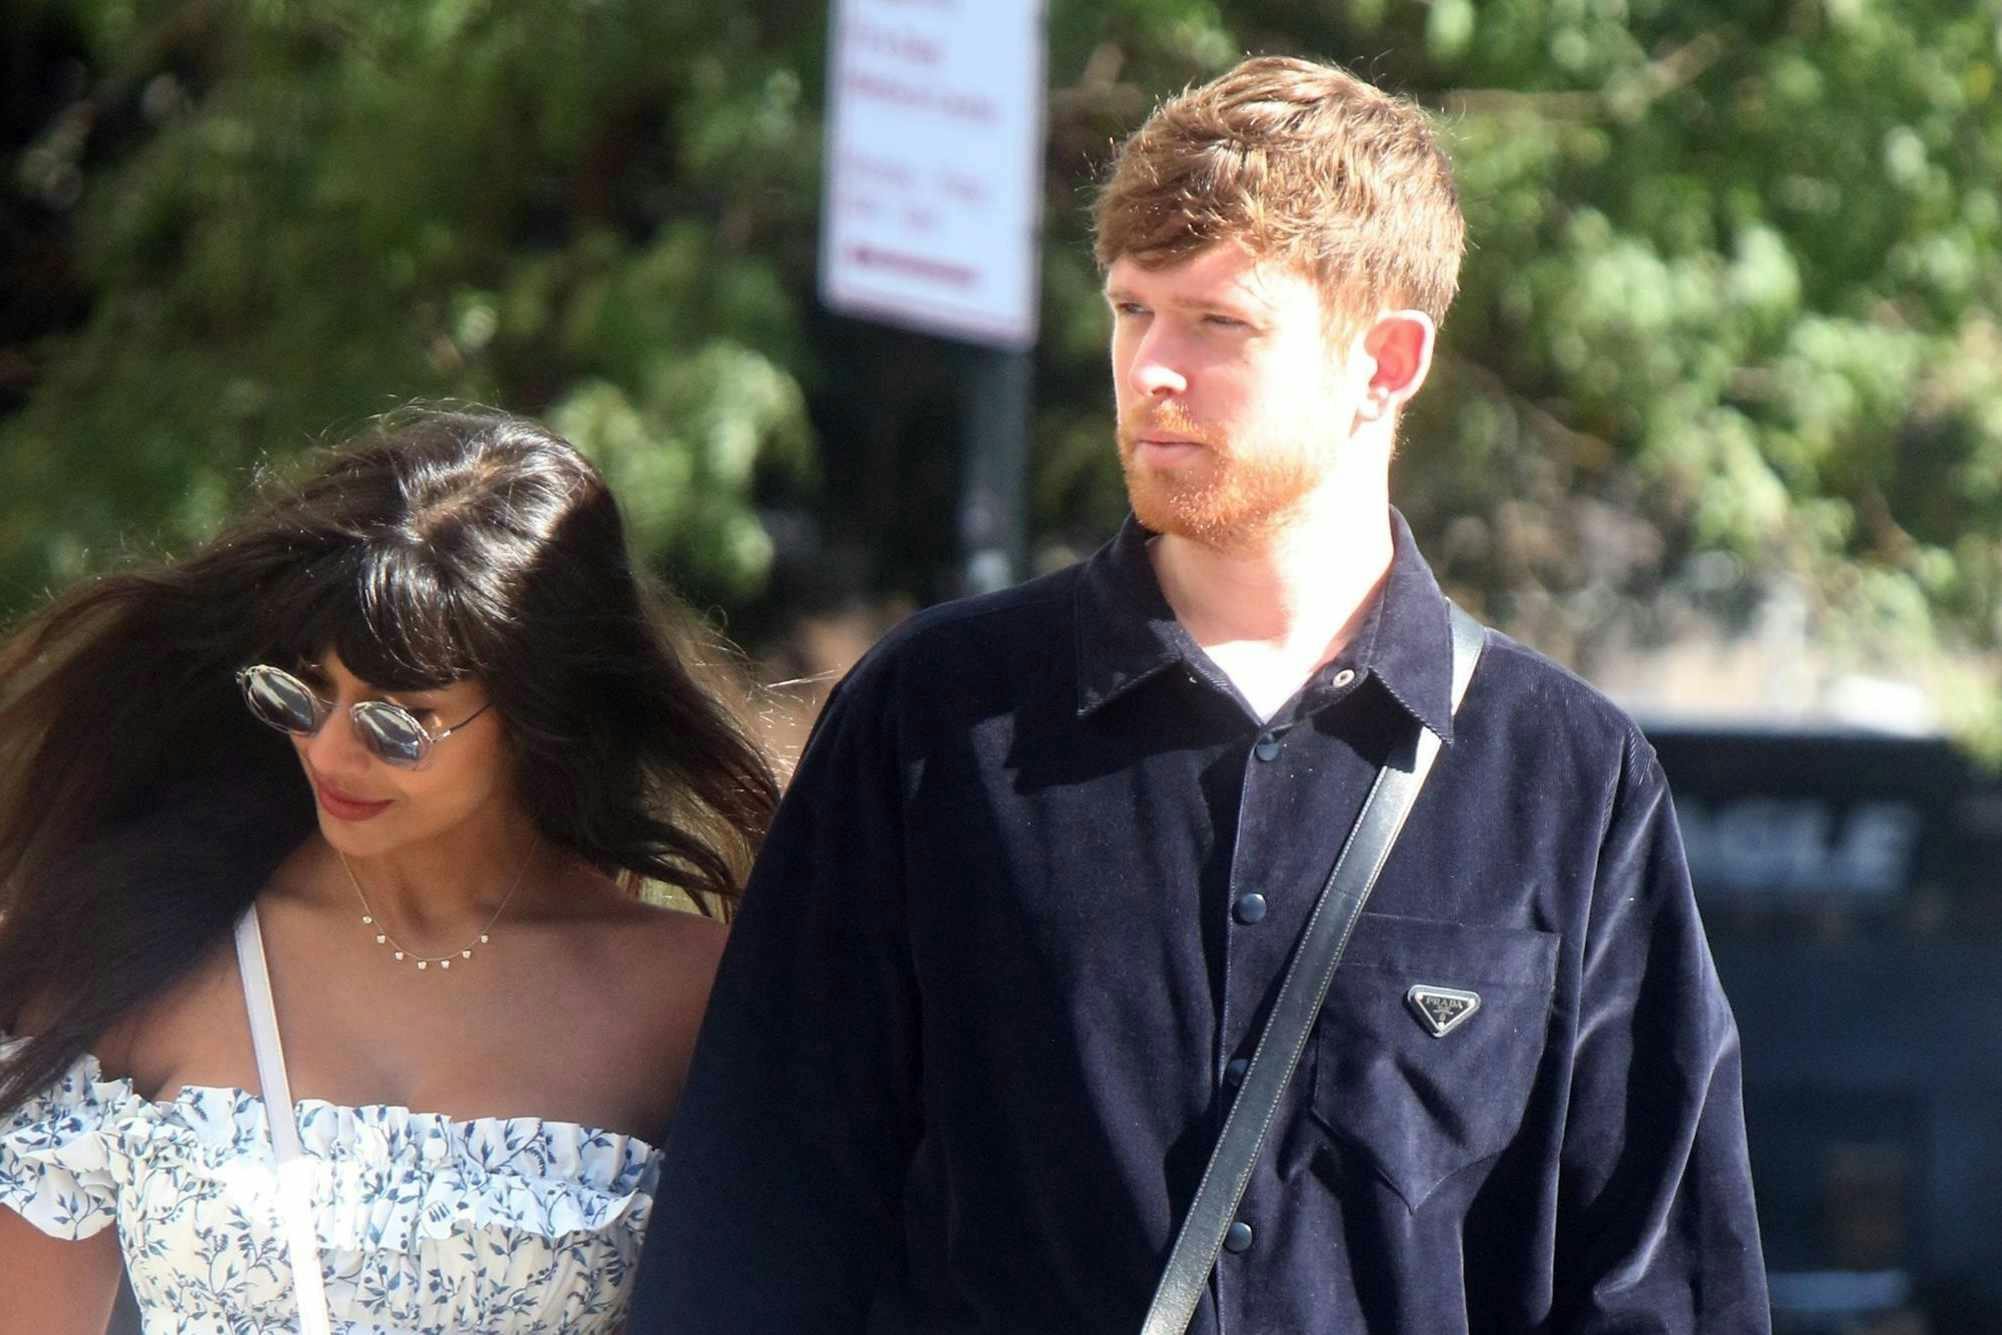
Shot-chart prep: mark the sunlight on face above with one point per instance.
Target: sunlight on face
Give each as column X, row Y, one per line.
column 367, row 806
column 1233, row 399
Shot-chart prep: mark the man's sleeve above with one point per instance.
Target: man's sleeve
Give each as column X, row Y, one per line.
column 1657, row 1230
column 778, row 1205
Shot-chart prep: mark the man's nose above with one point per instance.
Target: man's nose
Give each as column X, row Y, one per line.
column 1157, row 366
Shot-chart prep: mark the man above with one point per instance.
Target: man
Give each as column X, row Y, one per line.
column 1017, row 926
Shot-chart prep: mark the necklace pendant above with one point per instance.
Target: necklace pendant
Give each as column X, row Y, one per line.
column 424, row 962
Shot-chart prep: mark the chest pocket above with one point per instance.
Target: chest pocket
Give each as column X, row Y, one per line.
column 1420, row 1108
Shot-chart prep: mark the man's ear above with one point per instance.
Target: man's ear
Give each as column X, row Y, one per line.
column 1399, row 347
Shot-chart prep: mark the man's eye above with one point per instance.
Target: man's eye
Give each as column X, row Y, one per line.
column 1223, row 322
column 1128, row 308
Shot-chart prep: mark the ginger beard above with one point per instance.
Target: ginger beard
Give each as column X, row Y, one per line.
column 1222, row 498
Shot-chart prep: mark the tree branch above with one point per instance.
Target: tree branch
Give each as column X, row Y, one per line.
column 1658, row 78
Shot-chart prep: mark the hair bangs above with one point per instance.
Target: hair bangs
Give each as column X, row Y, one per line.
column 1297, row 161
column 383, row 610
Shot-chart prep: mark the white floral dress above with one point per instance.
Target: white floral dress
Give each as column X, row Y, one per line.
column 425, row 1224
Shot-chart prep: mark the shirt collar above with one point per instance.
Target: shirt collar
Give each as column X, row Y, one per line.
column 1127, row 633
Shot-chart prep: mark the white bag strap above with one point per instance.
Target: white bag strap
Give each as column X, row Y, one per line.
column 295, row 1170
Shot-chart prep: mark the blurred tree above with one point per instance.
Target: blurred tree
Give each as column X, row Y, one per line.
column 1728, row 324
column 283, row 216
column 1727, row 329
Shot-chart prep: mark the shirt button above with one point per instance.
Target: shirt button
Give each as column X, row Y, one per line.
column 1267, row 748
column 1345, row 676
column 1249, row 908
column 1233, row 1071
column 1238, row 1239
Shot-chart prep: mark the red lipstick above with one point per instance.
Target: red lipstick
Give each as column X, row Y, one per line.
column 342, row 807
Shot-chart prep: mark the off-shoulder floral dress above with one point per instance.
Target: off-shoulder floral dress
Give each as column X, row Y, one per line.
column 425, row 1224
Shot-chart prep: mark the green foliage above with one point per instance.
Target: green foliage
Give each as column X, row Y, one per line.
column 1728, row 318
column 334, row 208
column 1750, row 259
column 1731, row 294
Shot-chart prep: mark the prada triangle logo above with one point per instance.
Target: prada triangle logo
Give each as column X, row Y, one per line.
column 1441, row 1009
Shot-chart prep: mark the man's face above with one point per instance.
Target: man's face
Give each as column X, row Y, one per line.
column 1233, row 399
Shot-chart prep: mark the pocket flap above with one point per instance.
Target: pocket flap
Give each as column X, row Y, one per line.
column 1428, row 1044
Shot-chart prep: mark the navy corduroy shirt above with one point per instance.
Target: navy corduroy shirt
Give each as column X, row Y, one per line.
column 1025, row 905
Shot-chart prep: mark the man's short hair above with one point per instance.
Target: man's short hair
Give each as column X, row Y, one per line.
column 1297, row 161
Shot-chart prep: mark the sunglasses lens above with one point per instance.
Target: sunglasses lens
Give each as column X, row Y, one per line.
column 281, row 700
column 391, row 732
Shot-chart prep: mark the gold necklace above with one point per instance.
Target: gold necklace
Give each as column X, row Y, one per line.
column 397, row 949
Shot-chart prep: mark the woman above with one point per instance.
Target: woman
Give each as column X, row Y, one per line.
column 404, row 743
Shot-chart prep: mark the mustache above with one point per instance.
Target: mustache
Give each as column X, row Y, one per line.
column 1166, row 419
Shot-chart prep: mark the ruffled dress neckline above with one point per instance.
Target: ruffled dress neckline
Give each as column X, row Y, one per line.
column 426, row 1223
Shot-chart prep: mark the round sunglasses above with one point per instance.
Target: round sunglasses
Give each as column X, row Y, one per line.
column 390, row 732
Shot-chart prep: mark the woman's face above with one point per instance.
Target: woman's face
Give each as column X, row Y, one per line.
column 366, row 806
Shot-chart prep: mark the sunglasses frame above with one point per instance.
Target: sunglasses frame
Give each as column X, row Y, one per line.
column 247, row 677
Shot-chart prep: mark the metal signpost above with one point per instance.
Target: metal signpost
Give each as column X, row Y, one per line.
column 932, row 214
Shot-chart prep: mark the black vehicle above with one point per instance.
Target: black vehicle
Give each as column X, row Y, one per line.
column 1851, row 884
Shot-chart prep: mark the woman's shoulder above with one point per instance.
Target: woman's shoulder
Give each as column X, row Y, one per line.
column 670, row 932
column 196, row 1019
column 644, row 970
column 639, row 927
column 654, row 962
column 138, row 1045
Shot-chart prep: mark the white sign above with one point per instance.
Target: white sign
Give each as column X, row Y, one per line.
column 934, row 176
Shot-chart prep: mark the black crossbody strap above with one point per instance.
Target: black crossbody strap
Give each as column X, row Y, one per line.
column 1301, row 993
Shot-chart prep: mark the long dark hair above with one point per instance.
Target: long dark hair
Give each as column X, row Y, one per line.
column 141, row 807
